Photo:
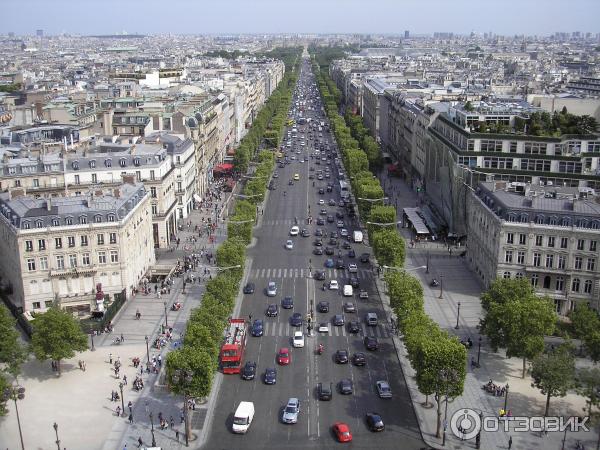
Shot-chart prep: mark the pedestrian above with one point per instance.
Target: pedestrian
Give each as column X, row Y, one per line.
column 125, row 447
column 110, row 358
column 122, row 338
column 509, row 442
column 182, row 416
column 130, row 406
column 250, row 317
column 172, row 422
column 118, row 410
column 130, row 418
column 140, row 442
column 177, row 435
column 125, row 379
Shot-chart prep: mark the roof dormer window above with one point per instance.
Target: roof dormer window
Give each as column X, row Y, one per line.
column 75, row 165
column 97, row 218
column 82, row 220
column 111, row 217
column 108, row 162
column 136, row 161
column 92, row 163
column 39, row 224
column 122, row 162
column 55, row 222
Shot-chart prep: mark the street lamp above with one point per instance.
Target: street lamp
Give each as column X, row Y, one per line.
column 478, row 352
column 92, row 337
column 122, row 400
column 16, row 393
column 446, row 375
column 183, row 378
column 57, row 439
column 506, row 398
column 147, row 351
column 229, row 268
column 166, row 322
column 152, row 430
column 384, row 224
column 441, row 286
column 457, row 317
column 427, row 271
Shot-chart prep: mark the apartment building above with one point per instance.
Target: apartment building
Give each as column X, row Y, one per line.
column 549, row 235
column 60, row 250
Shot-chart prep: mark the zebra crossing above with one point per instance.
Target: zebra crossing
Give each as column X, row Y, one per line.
column 283, row 329
column 299, row 272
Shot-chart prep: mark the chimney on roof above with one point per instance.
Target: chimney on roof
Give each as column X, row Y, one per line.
column 16, row 193
column 117, row 193
column 49, row 204
column 98, row 193
column 128, row 178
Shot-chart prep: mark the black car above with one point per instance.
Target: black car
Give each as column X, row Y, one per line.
column 346, row 245
column 296, row 320
column 359, row 359
column 249, row 288
column 351, row 253
column 330, row 219
column 338, row 320
column 341, row 357
column 339, row 215
column 249, row 371
column 319, row 275
column 375, row 422
column 329, row 188
column 333, row 241
column 318, row 232
column 323, row 307
column 325, row 391
column 329, row 251
column 272, row 310
column 321, row 191
column 270, row 376
column 345, row 386
column 318, row 242
column 304, row 233
column 353, row 281
column 287, row 303
column 323, row 212
column 364, row 258
column 354, row 327
column 334, row 234
column 318, row 251
column 320, row 221
column 257, row 328
column 371, row 343
column 339, row 264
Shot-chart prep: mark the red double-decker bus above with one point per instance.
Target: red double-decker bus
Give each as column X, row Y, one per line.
column 234, row 344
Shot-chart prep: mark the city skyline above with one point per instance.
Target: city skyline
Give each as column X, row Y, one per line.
column 310, row 16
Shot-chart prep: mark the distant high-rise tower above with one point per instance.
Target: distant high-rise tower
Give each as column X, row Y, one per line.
column 11, row 34
column 39, row 33
column 406, row 34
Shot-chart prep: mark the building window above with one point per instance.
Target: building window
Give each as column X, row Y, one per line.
column 537, row 257
column 522, row 239
column 36, row 182
column 521, row 257
column 77, row 180
column 551, row 241
column 114, row 256
column 578, row 263
column 31, row 264
column 138, row 175
column 508, row 256
column 28, row 246
column 26, row 225
column 593, row 246
column 42, row 244
column 587, row 286
column 564, row 242
column 85, row 259
column 510, row 238
column 580, row 244
column 94, row 178
column 575, row 285
column 534, row 279
column 113, row 238
column 111, row 217
column 44, row 263
column 72, row 261
column 82, row 220
column 566, row 222
column 58, row 242
column 122, row 162
column 108, row 162
column 152, row 177
column 60, row 262
column 71, row 241
column 562, row 261
column 519, row 275
column 101, row 257
column 591, row 264
column 153, row 192
column 547, row 282
column 98, row 218
column 55, row 222
column 506, row 274
column 100, row 239
column 36, row 305
column 84, row 241
column 154, row 210
column 560, row 283
column 549, row 261
column 539, row 240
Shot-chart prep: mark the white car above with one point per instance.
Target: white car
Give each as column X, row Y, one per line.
column 383, row 389
column 333, row 285
column 321, row 202
column 343, row 232
column 323, row 327
column 352, row 268
column 271, row 289
column 294, row 231
column 290, row 245
column 298, row 340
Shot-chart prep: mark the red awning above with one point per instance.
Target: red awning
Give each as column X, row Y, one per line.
column 223, row 167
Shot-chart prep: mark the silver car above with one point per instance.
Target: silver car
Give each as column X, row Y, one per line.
column 291, row 411
column 271, row 289
column 383, row 389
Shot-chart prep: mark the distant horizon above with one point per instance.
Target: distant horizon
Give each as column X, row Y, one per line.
column 275, row 17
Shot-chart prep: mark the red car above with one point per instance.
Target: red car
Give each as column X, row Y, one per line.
column 283, row 356
column 342, row 432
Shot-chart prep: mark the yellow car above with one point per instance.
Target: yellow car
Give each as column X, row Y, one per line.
column 279, row 155
column 296, row 177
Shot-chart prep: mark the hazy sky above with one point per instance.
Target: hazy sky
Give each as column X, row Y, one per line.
column 540, row 17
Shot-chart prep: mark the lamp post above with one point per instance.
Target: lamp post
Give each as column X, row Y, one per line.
column 147, row 351
column 183, row 377
column 506, row 397
column 427, row 271
column 479, row 352
column 457, row 317
column 57, row 439
column 166, row 322
column 152, row 430
column 92, row 337
column 122, row 400
column 16, row 393
column 441, row 285
column 446, row 375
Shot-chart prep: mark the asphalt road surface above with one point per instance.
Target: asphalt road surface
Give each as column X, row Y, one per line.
column 293, row 272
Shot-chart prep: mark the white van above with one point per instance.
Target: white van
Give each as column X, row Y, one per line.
column 348, row 292
column 243, row 417
column 371, row 319
column 358, row 236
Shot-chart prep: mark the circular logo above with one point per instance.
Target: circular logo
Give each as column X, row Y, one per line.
column 465, row 423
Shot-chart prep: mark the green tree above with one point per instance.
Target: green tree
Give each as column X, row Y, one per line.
column 588, row 386
column 553, row 373
column 198, row 335
column 388, row 247
column 57, row 335
column 12, row 352
column 4, row 384
column 517, row 323
column 381, row 214
column 405, row 292
column 586, row 323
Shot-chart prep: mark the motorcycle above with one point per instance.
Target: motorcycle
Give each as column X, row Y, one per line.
column 320, row 349
column 117, row 341
column 434, row 283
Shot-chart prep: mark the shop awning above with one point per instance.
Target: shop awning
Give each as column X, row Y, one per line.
column 413, row 216
column 197, row 198
column 225, row 167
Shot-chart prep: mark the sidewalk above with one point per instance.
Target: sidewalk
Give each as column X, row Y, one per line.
column 461, row 286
